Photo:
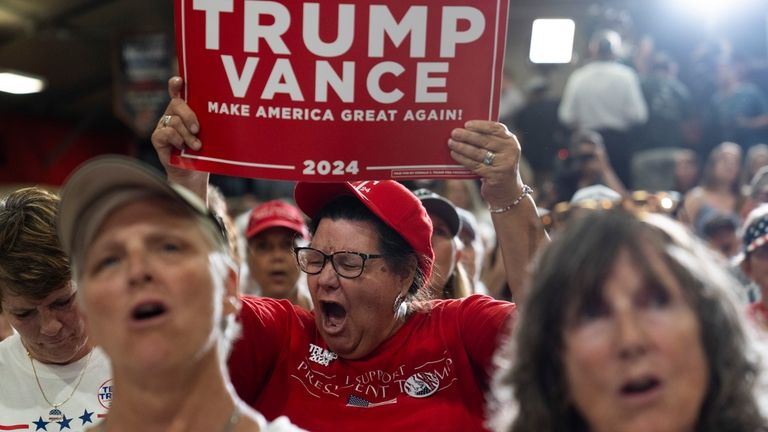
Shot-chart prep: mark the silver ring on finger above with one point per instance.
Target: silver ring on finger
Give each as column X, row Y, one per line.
column 165, row 121
column 489, row 157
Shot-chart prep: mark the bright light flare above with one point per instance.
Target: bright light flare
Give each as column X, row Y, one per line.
column 710, row 10
column 552, row 40
column 18, row 83
column 667, row 203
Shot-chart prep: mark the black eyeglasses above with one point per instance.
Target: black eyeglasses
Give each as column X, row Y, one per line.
column 347, row 264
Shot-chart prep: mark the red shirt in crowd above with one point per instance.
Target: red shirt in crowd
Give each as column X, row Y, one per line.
column 759, row 313
column 432, row 374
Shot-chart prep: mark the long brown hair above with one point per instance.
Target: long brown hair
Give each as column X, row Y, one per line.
column 530, row 390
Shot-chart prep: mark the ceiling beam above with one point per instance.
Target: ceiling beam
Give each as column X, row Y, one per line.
column 31, row 26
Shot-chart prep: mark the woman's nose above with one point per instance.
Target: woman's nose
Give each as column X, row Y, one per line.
column 632, row 338
column 50, row 324
column 328, row 278
column 139, row 271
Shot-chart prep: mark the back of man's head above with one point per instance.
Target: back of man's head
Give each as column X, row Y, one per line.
column 605, row 45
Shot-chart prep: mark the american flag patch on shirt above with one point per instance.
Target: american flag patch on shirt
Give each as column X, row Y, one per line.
column 356, row 401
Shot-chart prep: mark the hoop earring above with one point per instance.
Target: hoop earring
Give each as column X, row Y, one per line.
column 400, row 308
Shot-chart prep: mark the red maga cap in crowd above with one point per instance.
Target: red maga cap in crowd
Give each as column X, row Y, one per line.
column 392, row 202
column 275, row 214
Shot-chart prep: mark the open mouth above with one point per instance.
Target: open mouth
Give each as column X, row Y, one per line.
column 147, row 311
column 640, row 386
column 334, row 314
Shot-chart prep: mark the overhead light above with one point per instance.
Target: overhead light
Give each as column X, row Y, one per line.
column 20, row 83
column 552, row 40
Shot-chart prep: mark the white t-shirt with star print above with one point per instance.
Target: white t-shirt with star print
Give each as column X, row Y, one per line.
column 22, row 406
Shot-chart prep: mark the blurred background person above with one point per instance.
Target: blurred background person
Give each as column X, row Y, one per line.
column 739, row 109
column 686, row 171
column 512, row 98
column 754, row 261
column 274, row 229
column 494, row 276
column 449, row 279
column 756, row 158
column 587, row 164
column 668, row 102
column 464, row 194
column 719, row 190
column 630, row 324
column 605, row 96
column 589, row 199
column 584, row 201
column 699, row 72
column 472, row 251
column 757, row 192
column 51, row 375
column 159, row 288
column 721, row 232
column 537, row 126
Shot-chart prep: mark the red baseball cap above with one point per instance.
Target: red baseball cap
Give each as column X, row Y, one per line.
column 392, row 202
column 276, row 213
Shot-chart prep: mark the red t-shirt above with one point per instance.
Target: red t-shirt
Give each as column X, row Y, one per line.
column 432, row 374
column 758, row 312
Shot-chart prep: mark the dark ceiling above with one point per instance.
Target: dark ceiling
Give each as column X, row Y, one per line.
column 71, row 43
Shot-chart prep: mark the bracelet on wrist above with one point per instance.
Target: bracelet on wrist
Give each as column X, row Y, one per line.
column 527, row 190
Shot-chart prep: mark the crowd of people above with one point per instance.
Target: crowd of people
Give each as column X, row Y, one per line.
column 135, row 300
column 658, row 118
column 386, row 307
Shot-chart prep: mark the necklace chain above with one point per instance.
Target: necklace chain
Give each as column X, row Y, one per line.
column 79, row 380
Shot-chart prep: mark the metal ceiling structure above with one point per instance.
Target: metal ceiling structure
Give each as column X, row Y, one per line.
column 71, row 43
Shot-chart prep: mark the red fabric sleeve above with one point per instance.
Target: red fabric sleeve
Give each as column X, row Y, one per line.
column 483, row 322
column 265, row 334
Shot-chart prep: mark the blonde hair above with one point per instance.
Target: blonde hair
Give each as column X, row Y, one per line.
column 218, row 205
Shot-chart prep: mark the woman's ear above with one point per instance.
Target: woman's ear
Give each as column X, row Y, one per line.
column 458, row 252
column 231, row 292
column 745, row 267
column 409, row 275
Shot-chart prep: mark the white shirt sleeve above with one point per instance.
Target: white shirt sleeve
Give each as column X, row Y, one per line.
column 637, row 110
column 565, row 112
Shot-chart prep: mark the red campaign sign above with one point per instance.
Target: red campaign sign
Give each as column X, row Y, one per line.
column 337, row 91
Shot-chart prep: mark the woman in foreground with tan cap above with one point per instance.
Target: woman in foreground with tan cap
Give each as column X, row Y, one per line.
column 373, row 353
column 159, row 290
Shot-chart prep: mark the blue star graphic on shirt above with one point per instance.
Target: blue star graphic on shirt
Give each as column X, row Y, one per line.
column 64, row 423
column 86, row 417
column 40, row 424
